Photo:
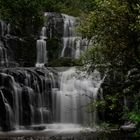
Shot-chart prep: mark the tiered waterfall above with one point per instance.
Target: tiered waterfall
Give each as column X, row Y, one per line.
column 37, row 96
column 73, row 45
column 74, row 95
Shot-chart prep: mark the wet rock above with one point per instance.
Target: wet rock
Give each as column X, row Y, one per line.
column 26, row 110
column 54, row 24
column 8, row 94
column 129, row 127
column 46, row 115
column 25, row 97
column 38, row 116
column 36, row 127
column 6, row 117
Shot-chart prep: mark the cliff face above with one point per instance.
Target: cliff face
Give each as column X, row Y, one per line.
column 25, row 97
column 63, row 44
column 15, row 50
column 25, row 94
column 54, row 31
column 21, row 51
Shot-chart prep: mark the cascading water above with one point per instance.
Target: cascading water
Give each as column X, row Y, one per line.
column 62, row 35
column 3, row 28
column 73, row 45
column 25, row 98
column 41, row 49
column 3, row 55
column 75, row 93
column 3, row 51
column 47, row 98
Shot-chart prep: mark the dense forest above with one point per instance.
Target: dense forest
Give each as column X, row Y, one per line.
column 113, row 27
column 29, row 12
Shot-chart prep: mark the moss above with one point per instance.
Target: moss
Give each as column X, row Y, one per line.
column 64, row 62
column 53, row 48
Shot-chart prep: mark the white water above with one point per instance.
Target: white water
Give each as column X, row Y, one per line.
column 3, row 55
column 3, row 51
column 41, row 49
column 3, row 28
column 73, row 45
column 75, row 93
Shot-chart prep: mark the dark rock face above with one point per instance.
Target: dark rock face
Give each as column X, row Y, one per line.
column 26, row 106
column 25, row 97
column 22, row 51
column 54, row 25
column 5, row 114
column 15, row 50
column 6, row 102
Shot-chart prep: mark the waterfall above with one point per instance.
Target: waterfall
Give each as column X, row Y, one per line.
column 73, row 45
column 67, row 42
column 34, row 97
column 8, row 28
column 69, row 37
column 75, row 93
column 3, row 55
column 41, row 49
column 3, row 28
column 3, row 50
column 25, row 98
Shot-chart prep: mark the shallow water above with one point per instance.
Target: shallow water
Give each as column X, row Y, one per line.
column 82, row 137
column 64, row 132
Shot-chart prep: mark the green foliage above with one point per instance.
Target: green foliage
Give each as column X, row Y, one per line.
column 61, row 62
column 93, row 55
column 71, row 7
column 25, row 15
column 54, row 6
column 110, row 103
column 96, row 104
column 134, row 117
column 114, row 27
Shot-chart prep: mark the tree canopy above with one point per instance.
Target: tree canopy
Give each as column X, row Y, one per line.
column 113, row 26
column 25, row 15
